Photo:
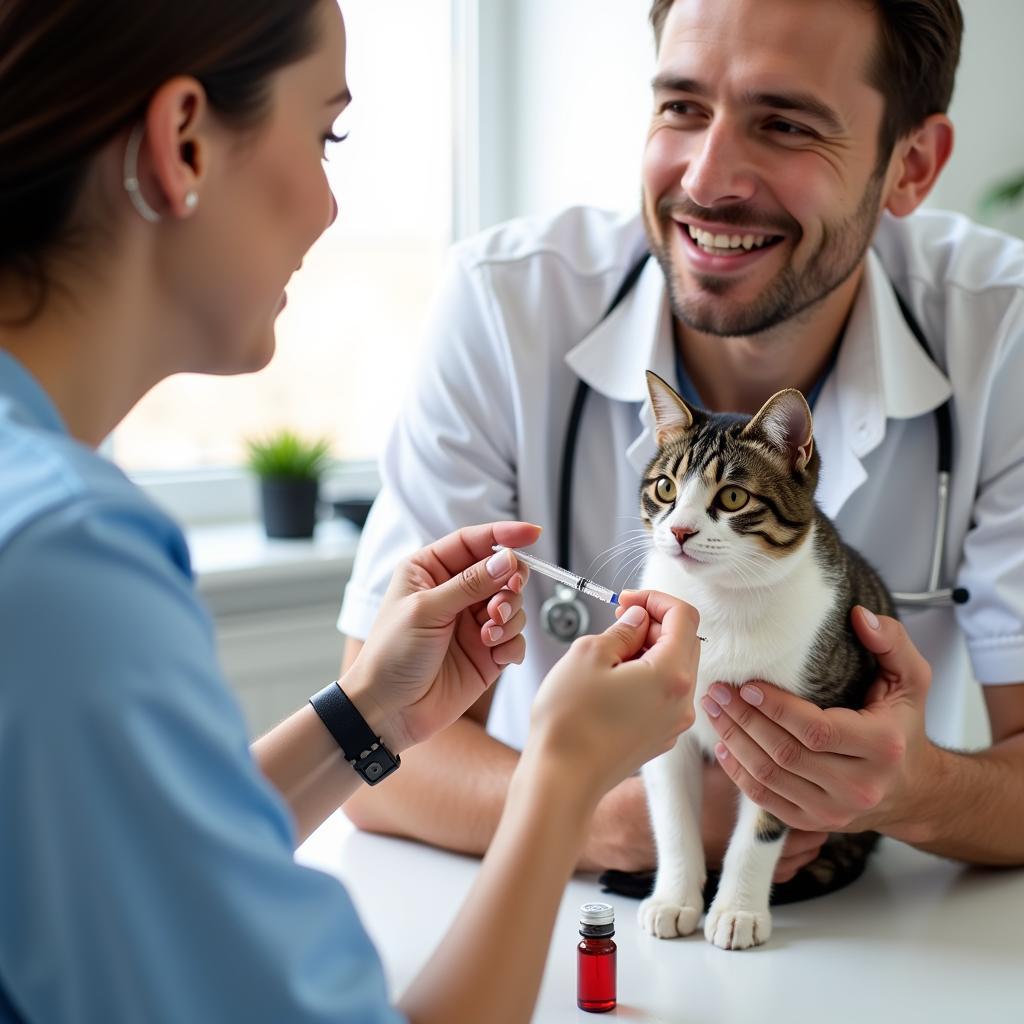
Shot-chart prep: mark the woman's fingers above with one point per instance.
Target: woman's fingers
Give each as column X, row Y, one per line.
column 502, row 607
column 460, row 549
column 493, row 633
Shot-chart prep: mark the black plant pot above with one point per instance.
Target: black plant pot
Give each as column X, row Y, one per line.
column 289, row 506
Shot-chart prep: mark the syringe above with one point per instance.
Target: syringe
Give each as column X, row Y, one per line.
column 569, row 579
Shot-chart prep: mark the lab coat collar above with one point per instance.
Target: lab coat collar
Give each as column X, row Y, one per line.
column 635, row 337
column 881, row 371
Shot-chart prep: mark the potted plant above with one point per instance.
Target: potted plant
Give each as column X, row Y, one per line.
column 289, row 470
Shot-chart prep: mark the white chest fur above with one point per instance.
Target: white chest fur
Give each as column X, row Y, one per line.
column 764, row 633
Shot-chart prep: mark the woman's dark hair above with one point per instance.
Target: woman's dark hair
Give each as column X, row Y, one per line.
column 75, row 73
column 914, row 66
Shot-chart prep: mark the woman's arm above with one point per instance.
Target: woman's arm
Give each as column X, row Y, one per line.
column 597, row 717
column 449, row 623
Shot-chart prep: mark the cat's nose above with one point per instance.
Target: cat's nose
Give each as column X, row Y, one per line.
column 681, row 533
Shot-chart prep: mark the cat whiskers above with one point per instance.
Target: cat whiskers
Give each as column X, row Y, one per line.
column 636, row 542
column 750, row 568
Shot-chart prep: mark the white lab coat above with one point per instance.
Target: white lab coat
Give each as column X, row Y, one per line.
column 518, row 322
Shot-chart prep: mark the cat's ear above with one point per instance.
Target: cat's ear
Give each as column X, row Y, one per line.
column 785, row 422
column 671, row 414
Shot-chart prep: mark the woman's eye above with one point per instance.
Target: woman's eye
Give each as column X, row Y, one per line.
column 732, row 499
column 665, row 489
column 330, row 138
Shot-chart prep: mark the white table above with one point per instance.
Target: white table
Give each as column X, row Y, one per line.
column 915, row 939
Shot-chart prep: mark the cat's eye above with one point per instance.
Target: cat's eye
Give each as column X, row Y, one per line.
column 665, row 489
column 732, row 499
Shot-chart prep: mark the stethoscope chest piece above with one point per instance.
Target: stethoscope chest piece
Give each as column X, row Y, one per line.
column 564, row 615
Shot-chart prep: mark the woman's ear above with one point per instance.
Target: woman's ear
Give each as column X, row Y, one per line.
column 917, row 161
column 176, row 145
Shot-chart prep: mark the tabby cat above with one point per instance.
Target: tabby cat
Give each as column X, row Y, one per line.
column 729, row 503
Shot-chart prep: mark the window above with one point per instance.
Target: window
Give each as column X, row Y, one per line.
column 345, row 341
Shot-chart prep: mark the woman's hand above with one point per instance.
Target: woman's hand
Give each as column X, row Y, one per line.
column 621, row 697
column 450, row 621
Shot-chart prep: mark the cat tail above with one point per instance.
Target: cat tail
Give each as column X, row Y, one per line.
column 841, row 861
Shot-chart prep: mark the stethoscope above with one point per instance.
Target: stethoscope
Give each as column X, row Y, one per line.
column 565, row 616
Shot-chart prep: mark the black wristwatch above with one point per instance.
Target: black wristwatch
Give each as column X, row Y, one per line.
column 364, row 751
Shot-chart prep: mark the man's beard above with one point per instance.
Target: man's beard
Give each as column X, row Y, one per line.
column 790, row 292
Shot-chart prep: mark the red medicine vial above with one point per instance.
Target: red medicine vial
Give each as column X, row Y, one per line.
column 595, row 959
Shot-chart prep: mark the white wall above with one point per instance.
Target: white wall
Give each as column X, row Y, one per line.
column 576, row 101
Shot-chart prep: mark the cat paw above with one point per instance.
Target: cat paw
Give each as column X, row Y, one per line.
column 667, row 919
column 730, row 928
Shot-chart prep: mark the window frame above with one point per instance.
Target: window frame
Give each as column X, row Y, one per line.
column 481, row 192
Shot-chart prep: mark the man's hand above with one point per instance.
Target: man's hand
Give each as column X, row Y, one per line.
column 835, row 769
column 621, row 837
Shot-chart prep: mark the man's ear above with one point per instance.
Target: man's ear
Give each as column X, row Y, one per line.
column 917, row 160
column 175, row 145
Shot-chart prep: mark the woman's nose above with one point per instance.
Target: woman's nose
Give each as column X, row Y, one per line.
column 718, row 170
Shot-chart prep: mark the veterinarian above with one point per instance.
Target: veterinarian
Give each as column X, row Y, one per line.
column 161, row 176
column 791, row 144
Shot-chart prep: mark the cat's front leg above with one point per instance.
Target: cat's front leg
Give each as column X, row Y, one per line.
column 739, row 916
column 674, row 788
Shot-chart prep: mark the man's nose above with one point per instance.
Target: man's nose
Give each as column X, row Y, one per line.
column 682, row 532
column 718, row 170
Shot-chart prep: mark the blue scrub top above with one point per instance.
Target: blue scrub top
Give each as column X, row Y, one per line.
column 146, row 869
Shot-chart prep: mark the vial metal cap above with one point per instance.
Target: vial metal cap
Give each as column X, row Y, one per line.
column 597, row 914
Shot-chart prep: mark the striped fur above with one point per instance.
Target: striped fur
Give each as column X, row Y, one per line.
column 729, row 503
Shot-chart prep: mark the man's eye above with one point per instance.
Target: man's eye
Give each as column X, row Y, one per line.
column 788, row 128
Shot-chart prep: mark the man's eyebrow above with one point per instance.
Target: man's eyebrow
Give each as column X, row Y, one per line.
column 667, row 82
column 800, row 102
column 343, row 97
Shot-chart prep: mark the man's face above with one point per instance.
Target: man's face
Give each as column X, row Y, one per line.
column 760, row 185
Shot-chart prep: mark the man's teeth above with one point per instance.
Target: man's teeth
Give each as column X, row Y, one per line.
column 713, row 243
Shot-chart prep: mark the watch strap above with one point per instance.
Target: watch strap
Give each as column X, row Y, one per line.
column 364, row 750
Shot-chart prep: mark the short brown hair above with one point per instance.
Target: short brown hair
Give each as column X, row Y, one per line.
column 914, row 67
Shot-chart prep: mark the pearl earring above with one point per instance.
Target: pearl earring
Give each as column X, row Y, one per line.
column 191, row 200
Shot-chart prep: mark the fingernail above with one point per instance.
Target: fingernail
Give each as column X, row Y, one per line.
column 633, row 616
column 710, row 707
column 720, row 752
column 505, row 611
column 515, row 584
column 870, row 617
column 721, row 694
column 752, row 695
column 500, row 563
column 495, row 633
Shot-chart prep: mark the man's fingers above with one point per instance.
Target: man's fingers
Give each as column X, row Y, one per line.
column 833, row 730
column 799, row 843
column 897, row 656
